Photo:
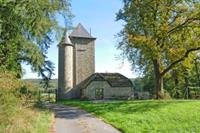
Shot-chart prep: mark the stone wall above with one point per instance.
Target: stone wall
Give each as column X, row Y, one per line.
column 84, row 60
column 60, row 71
column 65, row 81
column 109, row 92
column 76, row 63
column 142, row 95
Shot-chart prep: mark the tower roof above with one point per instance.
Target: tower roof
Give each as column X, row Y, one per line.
column 65, row 39
column 81, row 32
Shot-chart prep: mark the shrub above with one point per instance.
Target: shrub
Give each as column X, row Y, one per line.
column 9, row 100
column 16, row 100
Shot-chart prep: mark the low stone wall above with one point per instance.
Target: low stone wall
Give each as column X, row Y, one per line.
column 142, row 95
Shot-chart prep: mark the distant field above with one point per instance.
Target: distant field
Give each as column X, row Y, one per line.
column 37, row 82
column 146, row 116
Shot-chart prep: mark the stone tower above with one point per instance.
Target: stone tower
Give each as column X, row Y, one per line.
column 84, row 53
column 76, row 62
column 65, row 69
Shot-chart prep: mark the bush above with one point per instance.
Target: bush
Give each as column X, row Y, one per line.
column 9, row 100
column 16, row 110
column 167, row 95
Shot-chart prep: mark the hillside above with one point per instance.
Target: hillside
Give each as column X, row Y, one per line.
column 37, row 82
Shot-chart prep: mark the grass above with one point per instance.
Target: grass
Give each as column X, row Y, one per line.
column 19, row 112
column 146, row 116
column 43, row 122
column 30, row 120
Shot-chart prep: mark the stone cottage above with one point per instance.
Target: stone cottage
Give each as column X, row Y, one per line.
column 106, row 86
column 76, row 70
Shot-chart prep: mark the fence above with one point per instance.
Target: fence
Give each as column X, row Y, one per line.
column 192, row 92
column 47, row 95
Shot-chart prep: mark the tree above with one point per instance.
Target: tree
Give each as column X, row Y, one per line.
column 194, row 74
column 160, row 34
column 26, row 32
column 197, row 70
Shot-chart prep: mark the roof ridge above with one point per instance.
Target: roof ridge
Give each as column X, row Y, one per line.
column 100, row 74
column 81, row 32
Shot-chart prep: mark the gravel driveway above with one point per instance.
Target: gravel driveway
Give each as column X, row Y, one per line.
column 74, row 120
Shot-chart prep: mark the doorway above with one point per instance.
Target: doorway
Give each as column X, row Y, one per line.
column 99, row 93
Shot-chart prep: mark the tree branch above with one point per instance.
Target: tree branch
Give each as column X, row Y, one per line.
column 187, row 21
column 179, row 60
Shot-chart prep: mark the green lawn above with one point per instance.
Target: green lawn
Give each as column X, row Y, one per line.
column 146, row 116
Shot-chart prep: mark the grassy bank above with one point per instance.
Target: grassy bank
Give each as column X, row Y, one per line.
column 42, row 122
column 18, row 113
column 147, row 116
column 31, row 120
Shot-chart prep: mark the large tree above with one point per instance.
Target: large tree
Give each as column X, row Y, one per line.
column 27, row 29
column 159, row 34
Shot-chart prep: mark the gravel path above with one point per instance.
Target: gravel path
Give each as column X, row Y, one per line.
column 74, row 120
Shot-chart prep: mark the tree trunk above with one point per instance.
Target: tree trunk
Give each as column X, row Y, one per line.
column 187, row 85
column 159, row 87
column 159, row 80
column 197, row 72
column 175, row 78
column 176, row 83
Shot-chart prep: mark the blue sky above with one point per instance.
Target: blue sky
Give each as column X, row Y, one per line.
column 99, row 15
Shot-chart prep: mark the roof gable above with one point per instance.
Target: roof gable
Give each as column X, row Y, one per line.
column 113, row 79
column 116, row 79
column 80, row 32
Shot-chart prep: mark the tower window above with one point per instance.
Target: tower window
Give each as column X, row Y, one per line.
column 81, row 50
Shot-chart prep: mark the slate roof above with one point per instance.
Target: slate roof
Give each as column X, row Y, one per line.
column 113, row 79
column 65, row 39
column 116, row 79
column 81, row 32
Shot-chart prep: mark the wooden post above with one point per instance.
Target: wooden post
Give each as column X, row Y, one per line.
column 49, row 95
column 56, row 93
column 39, row 98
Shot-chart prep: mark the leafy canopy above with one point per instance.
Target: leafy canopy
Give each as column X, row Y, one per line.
column 160, row 34
column 26, row 32
column 165, row 30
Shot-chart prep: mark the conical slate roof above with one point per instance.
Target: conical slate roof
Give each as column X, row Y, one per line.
column 66, row 40
column 80, row 32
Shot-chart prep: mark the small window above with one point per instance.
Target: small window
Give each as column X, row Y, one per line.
column 81, row 50
column 99, row 93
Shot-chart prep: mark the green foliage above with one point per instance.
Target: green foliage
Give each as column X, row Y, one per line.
column 16, row 107
column 145, row 83
column 194, row 75
column 159, row 35
column 26, row 32
column 146, row 116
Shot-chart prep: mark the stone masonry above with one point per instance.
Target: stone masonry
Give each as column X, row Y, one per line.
column 84, row 57
column 76, row 61
column 109, row 92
